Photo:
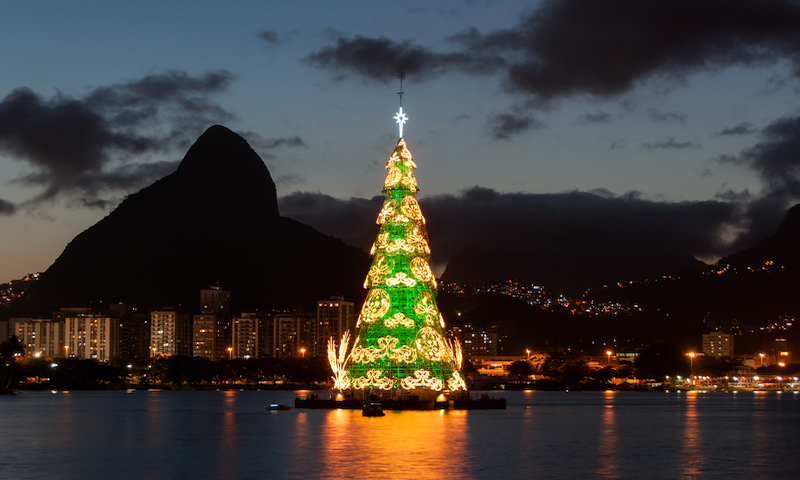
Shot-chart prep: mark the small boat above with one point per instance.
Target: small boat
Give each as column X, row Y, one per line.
column 278, row 406
column 372, row 410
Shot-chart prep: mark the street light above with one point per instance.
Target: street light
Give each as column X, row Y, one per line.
column 230, row 353
column 66, row 348
column 691, row 365
column 303, row 352
column 608, row 354
column 762, row 358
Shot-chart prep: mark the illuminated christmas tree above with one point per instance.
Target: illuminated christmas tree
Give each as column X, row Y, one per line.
column 399, row 342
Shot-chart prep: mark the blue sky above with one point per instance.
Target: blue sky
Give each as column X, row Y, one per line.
column 528, row 99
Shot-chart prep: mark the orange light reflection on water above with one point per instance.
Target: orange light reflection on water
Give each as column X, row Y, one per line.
column 415, row 444
column 691, row 455
column 609, row 454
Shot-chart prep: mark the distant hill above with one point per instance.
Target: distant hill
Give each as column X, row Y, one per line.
column 215, row 220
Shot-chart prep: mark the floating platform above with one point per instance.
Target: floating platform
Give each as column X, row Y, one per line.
column 484, row 402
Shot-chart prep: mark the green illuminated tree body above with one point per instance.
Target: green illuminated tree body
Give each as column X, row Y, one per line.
column 399, row 343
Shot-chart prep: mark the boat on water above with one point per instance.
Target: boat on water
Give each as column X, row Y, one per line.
column 278, row 406
column 372, row 410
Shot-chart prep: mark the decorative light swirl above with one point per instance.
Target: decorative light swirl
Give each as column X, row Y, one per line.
column 387, row 348
column 455, row 382
column 431, row 345
column 387, row 211
column 399, row 319
column 380, row 268
column 408, row 180
column 414, row 244
column 400, row 278
column 373, row 379
column 421, row 378
column 425, row 308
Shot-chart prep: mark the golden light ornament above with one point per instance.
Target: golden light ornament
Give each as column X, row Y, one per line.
column 421, row 270
column 393, row 177
column 400, row 278
column 373, row 379
column 375, row 306
column 421, row 378
column 431, row 344
column 387, row 212
column 387, row 348
column 399, row 319
column 410, row 208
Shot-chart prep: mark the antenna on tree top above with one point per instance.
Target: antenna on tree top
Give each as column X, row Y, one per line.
column 401, row 75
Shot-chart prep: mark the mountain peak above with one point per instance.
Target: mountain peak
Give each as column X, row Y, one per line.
column 222, row 159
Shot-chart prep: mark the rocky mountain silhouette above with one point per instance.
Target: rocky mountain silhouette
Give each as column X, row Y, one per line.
column 782, row 247
column 215, row 220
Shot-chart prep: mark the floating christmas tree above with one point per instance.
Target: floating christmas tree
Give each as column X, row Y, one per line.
column 399, row 342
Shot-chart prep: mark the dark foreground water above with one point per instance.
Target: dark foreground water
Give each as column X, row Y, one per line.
column 154, row 435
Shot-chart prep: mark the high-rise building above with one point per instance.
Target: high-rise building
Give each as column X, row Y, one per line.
column 211, row 328
column 39, row 337
column 90, row 335
column 251, row 333
column 474, row 341
column 292, row 335
column 134, row 331
column 170, row 332
column 215, row 300
column 334, row 317
column 718, row 344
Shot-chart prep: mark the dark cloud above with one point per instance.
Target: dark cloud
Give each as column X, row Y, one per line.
column 594, row 118
column 273, row 37
column 7, row 208
column 743, row 128
column 607, row 47
column 670, row 143
column 776, row 160
column 601, row 49
column 270, row 36
column 657, row 115
column 572, row 228
column 71, row 142
column 503, row 126
column 380, row 59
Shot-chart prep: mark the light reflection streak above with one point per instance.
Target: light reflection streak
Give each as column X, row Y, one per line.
column 421, row 444
column 228, row 435
column 609, row 440
column 691, row 461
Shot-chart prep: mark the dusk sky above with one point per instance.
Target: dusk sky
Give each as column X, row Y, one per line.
column 675, row 123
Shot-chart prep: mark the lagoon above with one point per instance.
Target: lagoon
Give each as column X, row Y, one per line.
column 229, row 435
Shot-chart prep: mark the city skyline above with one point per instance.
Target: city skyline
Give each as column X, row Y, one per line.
column 685, row 123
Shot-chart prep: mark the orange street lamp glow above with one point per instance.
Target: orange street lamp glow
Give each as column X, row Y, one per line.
column 230, row 353
column 762, row 358
column 691, row 363
column 303, row 352
column 608, row 354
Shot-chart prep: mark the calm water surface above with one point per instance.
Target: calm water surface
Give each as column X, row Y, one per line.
column 185, row 435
